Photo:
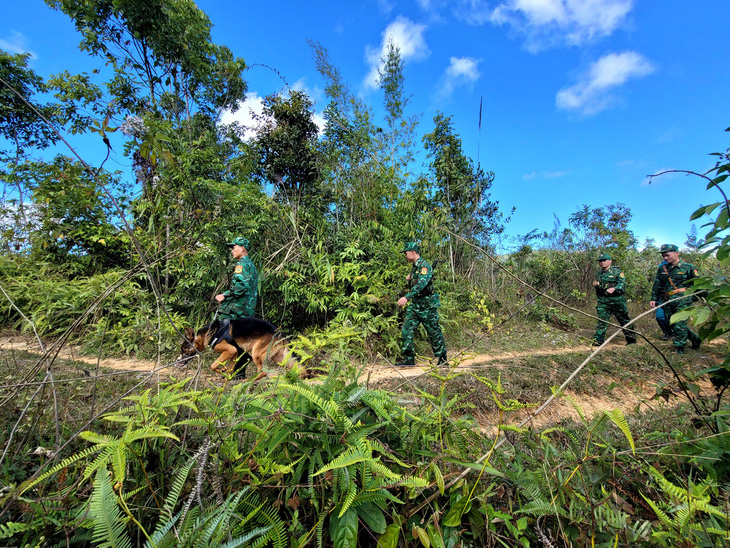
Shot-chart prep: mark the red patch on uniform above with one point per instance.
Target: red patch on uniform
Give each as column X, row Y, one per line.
column 239, row 269
column 424, row 271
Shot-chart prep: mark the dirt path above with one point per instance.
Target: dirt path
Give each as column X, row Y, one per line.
column 23, row 343
column 624, row 397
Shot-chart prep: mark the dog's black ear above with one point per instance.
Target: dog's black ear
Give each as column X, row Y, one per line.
column 189, row 333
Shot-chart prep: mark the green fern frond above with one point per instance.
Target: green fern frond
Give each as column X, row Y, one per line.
column 619, row 420
column 349, row 497
column 575, row 406
column 9, row 528
column 663, row 517
column 177, row 486
column 109, row 526
column 192, row 422
column 380, row 448
column 539, row 508
column 245, row 540
column 268, row 517
column 101, row 460
column 60, row 466
column 161, row 531
column 382, row 471
column 380, row 404
column 330, row 408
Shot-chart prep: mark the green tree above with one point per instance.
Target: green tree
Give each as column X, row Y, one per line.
column 161, row 53
column 461, row 192
column 22, row 130
column 345, row 147
column 398, row 142
column 287, row 143
column 72, row 221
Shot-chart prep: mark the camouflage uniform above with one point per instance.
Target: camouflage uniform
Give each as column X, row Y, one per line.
column 670, row 284
column 240, row 301
column 423, row 308
column 611, row 303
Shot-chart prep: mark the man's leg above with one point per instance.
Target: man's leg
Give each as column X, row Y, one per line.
column 663, row 322
column 410, row 323
column 684, row 331
column 604, row 314
column 435, row 335
column 622, row 315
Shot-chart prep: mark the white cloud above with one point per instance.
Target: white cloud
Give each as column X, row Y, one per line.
column 548, row 22
column 315, row 94
column 245, row 115
column 407, row 36
column 254, row 106
column 16, row 43
column 460, row 72
column 544, row 175
column 385, row 6
column 594, row 91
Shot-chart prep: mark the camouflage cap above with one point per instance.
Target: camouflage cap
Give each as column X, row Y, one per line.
column 243, row 242
column 411, row 246
column 604, row 257
column 668, row 247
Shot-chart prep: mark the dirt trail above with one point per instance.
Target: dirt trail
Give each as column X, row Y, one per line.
column 624, row 397
column 21, row 342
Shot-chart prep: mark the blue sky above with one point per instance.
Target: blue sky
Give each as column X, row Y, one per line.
column 582, row 99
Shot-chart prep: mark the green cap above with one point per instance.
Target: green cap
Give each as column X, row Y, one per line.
column 411, row 246
column 604, row 257
column 668, row 247
column 243, row 242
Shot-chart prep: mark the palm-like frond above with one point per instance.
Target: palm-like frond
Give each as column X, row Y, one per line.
column 109, row 526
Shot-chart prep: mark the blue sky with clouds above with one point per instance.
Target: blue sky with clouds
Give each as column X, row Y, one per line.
column 582, row 99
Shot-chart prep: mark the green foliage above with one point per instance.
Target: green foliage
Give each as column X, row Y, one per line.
column 162, row 48
column 461, row 191
column 288, row 152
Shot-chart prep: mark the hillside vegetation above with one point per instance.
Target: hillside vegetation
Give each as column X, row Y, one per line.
column 119, row 263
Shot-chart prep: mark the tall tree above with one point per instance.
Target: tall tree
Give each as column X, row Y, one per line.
column 287, row 142
column 22, row 130
column 162, row 54
column 347, row 156
column 399, row 140
column 460, row 191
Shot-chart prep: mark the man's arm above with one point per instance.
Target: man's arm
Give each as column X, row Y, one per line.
column 425, row 273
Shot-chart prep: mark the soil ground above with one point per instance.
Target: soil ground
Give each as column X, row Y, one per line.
column 610, row 391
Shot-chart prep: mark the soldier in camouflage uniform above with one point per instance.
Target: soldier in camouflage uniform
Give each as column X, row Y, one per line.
column 240, row 300
column 670, row 284
column 610, row 284
column 423, row 308
column 236, row 303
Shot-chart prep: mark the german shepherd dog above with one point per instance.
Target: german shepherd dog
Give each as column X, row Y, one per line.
column 257, row 337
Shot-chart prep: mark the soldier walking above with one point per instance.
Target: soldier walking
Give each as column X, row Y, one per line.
column 670, row 284
column 423, row 308
column 237, row 303
column 240, row 300
column 610, row 284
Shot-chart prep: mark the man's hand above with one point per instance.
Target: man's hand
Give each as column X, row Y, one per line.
column 610, row 290
column 595, row 282
column 652, row 304
column 220, row 297
column 408, row 278
column 402, row 302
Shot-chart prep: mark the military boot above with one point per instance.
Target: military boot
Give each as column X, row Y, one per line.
column 408, row 361
column 443, row 360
